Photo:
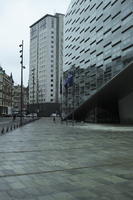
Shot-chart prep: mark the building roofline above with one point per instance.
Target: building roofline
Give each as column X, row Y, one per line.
column 59, row 14
column 48, row 15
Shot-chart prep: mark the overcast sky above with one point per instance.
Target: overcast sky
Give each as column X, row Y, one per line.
column 15, row 18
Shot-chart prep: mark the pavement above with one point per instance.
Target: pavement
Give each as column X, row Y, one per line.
column 44, row 160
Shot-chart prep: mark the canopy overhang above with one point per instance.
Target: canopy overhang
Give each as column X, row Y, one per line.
column 109, row 94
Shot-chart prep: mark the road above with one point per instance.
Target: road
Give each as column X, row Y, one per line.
column 9, row 123
column 6, row 122
column 5, row 119
column 53, row 161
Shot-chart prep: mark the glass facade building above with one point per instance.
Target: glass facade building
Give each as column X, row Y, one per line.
column 98, row 44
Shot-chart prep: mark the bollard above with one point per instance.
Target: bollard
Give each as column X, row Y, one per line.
column 2, row 131
column 7, row 129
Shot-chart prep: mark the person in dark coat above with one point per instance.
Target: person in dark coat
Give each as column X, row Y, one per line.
column 14, row 117
column 54, row 119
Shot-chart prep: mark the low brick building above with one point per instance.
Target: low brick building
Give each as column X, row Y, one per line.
column 6, row 93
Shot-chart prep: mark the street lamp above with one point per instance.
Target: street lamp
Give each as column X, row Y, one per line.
column 33, row 76
column 22, row 67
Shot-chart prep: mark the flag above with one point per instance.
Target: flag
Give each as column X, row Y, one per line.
column 65, row 83
column 68, row 81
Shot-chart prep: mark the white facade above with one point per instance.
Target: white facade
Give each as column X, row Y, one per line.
column 46, row 59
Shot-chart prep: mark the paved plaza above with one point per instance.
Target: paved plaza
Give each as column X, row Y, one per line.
column 53, row 161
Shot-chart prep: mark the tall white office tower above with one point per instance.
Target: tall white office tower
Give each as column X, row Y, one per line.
column 46, row 63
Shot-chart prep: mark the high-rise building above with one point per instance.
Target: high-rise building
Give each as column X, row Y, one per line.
column 46, row 62
column 98, row 45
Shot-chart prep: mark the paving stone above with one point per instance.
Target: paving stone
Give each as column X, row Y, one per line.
column 47, row 197
column 63, row 196
column 17, row 193
column 46, row 161
column 4, row 196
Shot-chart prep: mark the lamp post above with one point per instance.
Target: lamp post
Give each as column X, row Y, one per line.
column 22, row 67
column 37, row 92
column 33, row 76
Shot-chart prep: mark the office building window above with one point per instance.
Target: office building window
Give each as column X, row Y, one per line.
column 52, row 23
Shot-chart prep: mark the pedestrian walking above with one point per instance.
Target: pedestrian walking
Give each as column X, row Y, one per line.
column 14, row 117
column 61, row 119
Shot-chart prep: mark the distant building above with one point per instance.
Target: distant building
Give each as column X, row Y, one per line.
column 6, row 93
column 46, row 63
column 17, row 99
column 98, row 45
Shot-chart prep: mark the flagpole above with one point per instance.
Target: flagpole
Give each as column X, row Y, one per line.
column 68, row 83
column 66, row 103
column 61, row 99
column 73, row 96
